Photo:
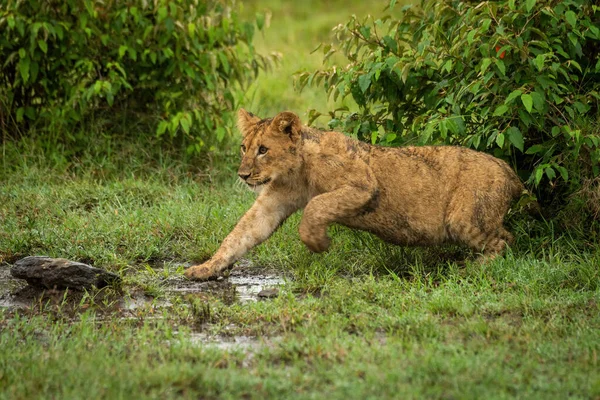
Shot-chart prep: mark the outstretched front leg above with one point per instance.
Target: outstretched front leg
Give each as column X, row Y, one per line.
column 260, row 221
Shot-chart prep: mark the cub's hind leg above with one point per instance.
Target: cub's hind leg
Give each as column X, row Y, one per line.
column 488, row 244
column 477, row 221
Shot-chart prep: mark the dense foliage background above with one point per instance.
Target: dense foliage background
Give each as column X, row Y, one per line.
column 519, row 79
column 85, row 86
column 132, row 66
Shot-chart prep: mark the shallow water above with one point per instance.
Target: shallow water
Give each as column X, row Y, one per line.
column 245, row 283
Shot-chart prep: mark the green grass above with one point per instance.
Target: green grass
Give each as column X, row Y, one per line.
column 470, row 335
column 364, row 320
column 293, row 35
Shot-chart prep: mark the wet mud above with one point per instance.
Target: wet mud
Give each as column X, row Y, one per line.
column 245, row 283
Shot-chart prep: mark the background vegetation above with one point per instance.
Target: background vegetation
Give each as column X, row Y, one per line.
column 366, row 319
column 518, row 79
column 163, row 67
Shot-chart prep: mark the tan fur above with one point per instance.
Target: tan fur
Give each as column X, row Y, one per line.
column 408, row 195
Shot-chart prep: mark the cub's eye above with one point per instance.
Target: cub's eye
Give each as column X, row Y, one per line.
column 262, row 150
column 243, row 148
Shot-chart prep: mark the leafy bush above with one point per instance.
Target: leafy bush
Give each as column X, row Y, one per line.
column 173, row 66
column 520, row 79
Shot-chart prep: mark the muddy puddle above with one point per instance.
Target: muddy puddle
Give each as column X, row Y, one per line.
column 247, row 344
column 9, row 287
column 242, row 285
column 245, row 283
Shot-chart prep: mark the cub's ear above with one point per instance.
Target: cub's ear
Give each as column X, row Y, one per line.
column 288, row 123
column 246, row 120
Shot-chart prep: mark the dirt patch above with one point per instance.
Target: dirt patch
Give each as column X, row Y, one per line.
column 245, row 283
column 247, row 344
column 8, row 287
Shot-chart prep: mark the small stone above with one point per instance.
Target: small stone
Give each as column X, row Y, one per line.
column 60, row 273
column 268, row 293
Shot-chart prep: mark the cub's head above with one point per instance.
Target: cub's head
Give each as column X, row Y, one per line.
column 269, row 148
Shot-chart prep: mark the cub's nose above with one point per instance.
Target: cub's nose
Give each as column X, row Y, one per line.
column 244, row 176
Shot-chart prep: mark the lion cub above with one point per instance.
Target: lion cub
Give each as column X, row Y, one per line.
column 408, row 195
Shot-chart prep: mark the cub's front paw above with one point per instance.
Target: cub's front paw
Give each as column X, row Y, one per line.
column 202, row 272
column 315, row 239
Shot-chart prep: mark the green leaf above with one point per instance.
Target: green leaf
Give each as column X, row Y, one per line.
column 571, row 18
column 447, row 66
column 162, row 127
column 260, row 20
column 539, row 61
column 471, row 36
column 539, row 174
column 485, row 25
column 582, row 108
column 500, row 140
column 162, row 13
column 500, row 64
column 97, row 87
column 550, row 173
column 391, row 43
column 529, row 4
column 20, row 113
column 527, row 102
column 525, row 117
column 189, row 71
column 513, row 95
column 365, row 31
column 452, row 125
column 443, row 129
column 43, row 45
column 536, row 148
column 364, row 81
column 224, row 62
column 185, row 122
column 110, row 98
column 573, row 38
column 485, row 63
column 500, row 110
column 576, row 64
column 30, row 113
column 515, row 137
column 405, row 71
column 132, row 53
column 374, row 136
column 555, row 131
column 538, row 101
column 563, row 172
column 33, row 70
column 24, row 69
column 221, row 133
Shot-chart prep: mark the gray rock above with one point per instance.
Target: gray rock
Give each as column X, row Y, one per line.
column 59, row 273
column 268, row 293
